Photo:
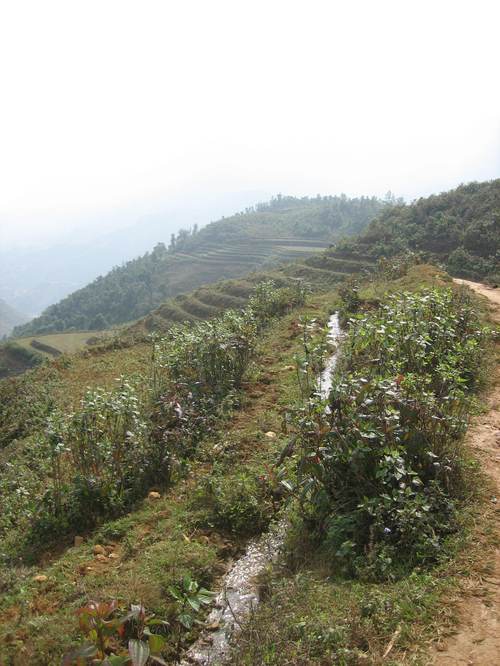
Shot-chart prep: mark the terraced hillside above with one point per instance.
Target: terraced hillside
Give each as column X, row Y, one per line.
column 285, row 230
column 459, row 229
column 17, row 356
column 319, row 272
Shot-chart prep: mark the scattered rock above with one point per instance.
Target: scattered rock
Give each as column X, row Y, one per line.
column 40, row 579
column 213, row 626
column 270, row 435
column 78, row 541
column 153, row 495
column 99, row 550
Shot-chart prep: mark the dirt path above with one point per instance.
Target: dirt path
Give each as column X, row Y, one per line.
column 493, row 295
column 477, row 641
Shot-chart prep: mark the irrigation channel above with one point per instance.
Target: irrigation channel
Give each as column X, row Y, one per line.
column 239, row 591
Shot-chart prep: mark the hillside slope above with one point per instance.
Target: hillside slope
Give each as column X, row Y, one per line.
column 198, row 524
column 9, row 317
column 459, row 228
column 32, row 278
column 283, row 230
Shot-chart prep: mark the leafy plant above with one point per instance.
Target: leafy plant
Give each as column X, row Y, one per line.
column 241, row 505
column 106, row 633
column 97, row 461
column 190, row 597
column 381, row 470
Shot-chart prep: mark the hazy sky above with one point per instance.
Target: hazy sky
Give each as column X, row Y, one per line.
column 123, row 105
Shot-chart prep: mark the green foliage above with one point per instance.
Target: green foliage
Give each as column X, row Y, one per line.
column 381, row 470
column 196, row 369
column 97, row 461
column 136, row 638
column 240, row 504
column 28, row 357
column 106, row 632
column 460, row 228
column 189, row 598
column 315, row 619
column 349, row 294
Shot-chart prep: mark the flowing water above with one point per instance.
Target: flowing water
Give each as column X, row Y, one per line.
column 240, row 594
column 325, row 378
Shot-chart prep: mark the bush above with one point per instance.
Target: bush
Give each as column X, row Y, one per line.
column 97, row 462
column 382, row 470
column 100, row 461
column 238, row 504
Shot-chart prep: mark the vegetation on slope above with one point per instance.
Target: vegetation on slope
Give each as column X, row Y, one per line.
column 168, row 548
column 381, row 470
column 96, row 461
column 285, row 229
column 21, row 354
column 459, row 229
column 382, row 487
column 320, row 272
column 16, row 359
column 165, row 539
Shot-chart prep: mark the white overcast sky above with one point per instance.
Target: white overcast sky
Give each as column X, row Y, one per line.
column 122, row 105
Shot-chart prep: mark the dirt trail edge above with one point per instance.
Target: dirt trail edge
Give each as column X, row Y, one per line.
column 477, row 640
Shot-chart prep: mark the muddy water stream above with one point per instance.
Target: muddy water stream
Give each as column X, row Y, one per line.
column 239, row 594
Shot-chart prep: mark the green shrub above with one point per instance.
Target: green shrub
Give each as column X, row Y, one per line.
column 95, row 463
column 22, row 354
column 100, row 461
column 382, row 469
column 237, row 503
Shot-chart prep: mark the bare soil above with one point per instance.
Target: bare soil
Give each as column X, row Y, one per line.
column 476, row 641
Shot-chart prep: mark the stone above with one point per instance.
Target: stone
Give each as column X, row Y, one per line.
column 99, row 550
column 213, row 626
column 101, row 558
column 40, row 578
column 270, row 435
column 153, row 495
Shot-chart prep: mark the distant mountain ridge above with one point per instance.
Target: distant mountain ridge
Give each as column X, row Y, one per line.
column 9, row 318
column 285, row 229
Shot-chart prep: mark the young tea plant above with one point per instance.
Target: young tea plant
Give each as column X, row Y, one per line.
column 114, row 640
column 381, row 470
